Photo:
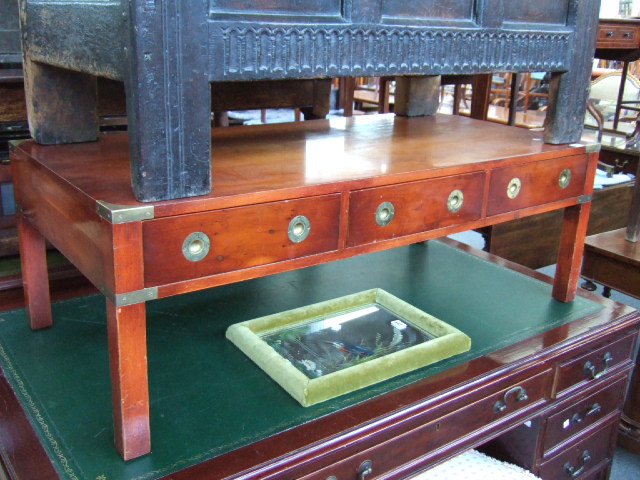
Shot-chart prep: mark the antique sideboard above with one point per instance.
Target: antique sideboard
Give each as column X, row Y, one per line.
column 168, row 52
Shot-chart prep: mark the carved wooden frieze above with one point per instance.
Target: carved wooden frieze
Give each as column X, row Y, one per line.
column 279, row 51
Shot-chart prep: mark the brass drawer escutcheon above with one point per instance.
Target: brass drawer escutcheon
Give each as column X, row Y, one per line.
column 455, row 201
column 196, row 246
column 299, row 228
column 565, row 178
column 385, row 213
column 514, row 187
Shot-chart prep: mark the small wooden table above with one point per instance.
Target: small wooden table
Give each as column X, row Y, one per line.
column 287, row 196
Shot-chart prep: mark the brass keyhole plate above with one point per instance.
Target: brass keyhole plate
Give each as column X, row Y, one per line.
column 455, row 201
column 299, row 228
column 196, row 246
column 565, row 178
column 514, row 187
column 385, row 213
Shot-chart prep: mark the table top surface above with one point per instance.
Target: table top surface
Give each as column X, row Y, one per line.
column 281, row 161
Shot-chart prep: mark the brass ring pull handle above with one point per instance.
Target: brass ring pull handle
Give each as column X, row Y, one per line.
column 565, row 178
column 521, row 396
column 299, row 228
column 576, row 472
column 590, row 368
column 196, row 246
column 455, row 201
column 365, row 469
column 514, row 187
column 385, row 213
column 578, row 417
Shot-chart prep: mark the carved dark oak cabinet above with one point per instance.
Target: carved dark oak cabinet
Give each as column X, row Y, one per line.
column 168, row 52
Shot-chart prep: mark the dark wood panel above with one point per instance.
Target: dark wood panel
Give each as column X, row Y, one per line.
column 429, row 9
column 597, row 364
column 283, row 7
column 447, row 430
column 583, row 412
column 547, row 11
column 598, row 453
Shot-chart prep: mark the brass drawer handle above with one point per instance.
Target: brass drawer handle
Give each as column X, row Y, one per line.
column 455, row 201
column 385, row 213
column 590, row 368
column 514, row 187
column 365, row 469
column 299, row 228
column 576, row 472
column 521, row 396
column 610, row 34
column 627, row 34
column 578, row 417
column 565, row 178
column 196, row 246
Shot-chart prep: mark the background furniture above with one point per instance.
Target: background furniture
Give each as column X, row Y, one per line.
column 619, row 39
column 67, row 43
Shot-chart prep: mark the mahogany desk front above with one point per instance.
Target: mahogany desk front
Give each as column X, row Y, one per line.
column 287, row 196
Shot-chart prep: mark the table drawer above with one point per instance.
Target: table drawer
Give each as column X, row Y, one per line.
column 491, row 412
column 243, row 237
column 580, row 460
column 382, row 213
column 617, row 37
column 537, row 183
column 582, row 413
column 594, row 365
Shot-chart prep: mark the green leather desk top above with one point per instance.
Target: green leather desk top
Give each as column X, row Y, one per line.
column 207, row 398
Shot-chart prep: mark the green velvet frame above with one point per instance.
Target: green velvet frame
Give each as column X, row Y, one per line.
column 448, row 341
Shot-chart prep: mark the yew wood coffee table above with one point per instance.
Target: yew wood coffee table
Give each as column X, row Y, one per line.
column 285, row 196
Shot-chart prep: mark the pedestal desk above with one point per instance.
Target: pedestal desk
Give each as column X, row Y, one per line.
column 544, row 379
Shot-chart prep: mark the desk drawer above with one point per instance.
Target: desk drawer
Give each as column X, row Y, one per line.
column 487, row 414
column 531, row 184
column 617, row 37
column 581, row 460
column 382, row 213
column 238, row 238
column 582, row 413
column 594, row 365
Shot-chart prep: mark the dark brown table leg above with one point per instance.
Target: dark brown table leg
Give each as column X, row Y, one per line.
column 35, row 276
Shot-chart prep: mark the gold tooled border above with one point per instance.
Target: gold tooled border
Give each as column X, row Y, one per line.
column 22, row 389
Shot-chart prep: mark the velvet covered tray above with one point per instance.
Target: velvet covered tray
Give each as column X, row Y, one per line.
column 330, row 348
